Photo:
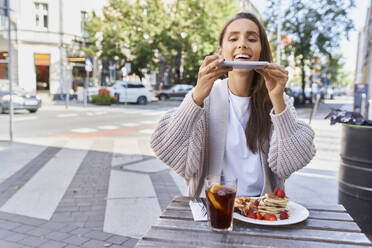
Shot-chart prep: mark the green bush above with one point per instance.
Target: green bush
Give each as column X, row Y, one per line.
column 102, row 99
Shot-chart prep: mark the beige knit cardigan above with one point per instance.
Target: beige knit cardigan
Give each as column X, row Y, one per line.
column 191, row 140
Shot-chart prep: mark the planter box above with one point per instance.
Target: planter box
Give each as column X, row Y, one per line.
column 355, row 175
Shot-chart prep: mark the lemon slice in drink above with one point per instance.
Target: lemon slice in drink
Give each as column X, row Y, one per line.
column 214, row 189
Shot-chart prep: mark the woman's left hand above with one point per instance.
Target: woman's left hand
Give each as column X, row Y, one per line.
column 276, row 77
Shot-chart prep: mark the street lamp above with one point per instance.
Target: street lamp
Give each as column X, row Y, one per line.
column 278, row 40
column 9, row 60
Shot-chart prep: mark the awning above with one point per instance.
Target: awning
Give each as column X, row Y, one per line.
column 42, row 59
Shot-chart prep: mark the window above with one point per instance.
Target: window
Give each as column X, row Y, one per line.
column 3, row 65
column 41, row 15
column 84, row 18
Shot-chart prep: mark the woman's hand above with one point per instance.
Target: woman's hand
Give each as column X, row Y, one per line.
column 209, row 72
column 276, row 77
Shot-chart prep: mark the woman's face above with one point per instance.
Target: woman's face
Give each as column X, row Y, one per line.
column 241, row 42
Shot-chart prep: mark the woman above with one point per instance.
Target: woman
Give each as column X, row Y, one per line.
column 243, row 126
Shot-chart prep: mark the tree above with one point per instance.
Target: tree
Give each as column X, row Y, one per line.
column 316, row 27
column 142, row 32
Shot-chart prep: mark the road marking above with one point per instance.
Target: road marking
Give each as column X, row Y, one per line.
column 108, row 127
column 83, row 130
column 130, row 197
column 130, row 124
column 96, row 113
column 40, row 196
column 148, row 122
column 147, row 131
column 66, row 115
column 15, row 156
column 28, row 118
column 126, row 151
column 154, row 113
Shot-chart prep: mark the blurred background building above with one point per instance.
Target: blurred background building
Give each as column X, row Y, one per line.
column 363, row 70
column 47, row 36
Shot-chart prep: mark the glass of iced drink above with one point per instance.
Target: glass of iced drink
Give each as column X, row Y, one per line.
column 220, row 192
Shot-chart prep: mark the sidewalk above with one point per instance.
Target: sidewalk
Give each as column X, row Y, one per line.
column 114, row 189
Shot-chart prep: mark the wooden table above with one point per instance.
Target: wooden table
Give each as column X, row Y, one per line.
column 327, row 226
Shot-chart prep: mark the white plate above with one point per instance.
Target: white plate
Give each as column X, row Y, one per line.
column 245, row 64
column 297, row 214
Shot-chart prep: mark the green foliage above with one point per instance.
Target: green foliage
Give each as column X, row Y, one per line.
column 316, row 28
column 143, row 32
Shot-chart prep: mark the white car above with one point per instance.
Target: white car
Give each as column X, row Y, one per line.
column 131, row 92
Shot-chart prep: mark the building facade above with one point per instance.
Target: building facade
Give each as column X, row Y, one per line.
column 363, row 70
column 47, row 36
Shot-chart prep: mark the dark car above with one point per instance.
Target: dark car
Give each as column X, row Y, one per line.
column 298, row 96
column 177, row 91
column 21, row 100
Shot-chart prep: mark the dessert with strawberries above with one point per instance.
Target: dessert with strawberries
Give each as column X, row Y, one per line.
column 270, row 207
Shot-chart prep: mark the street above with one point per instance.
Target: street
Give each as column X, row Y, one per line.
column 86, row 176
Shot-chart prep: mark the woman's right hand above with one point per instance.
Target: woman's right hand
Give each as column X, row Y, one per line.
column 209, row 72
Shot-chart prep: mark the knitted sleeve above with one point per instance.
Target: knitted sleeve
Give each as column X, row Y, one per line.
column 292, row 142
column 179, row 138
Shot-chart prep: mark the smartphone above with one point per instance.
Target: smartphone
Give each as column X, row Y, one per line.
column 245, row 64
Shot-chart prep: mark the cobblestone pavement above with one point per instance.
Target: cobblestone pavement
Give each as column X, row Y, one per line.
column 107, row 191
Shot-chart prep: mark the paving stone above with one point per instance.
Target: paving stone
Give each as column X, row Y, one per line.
column 16, row 237
column 80, row 231
column 71, row 246
column 53, row 244
column 9, row 225
column 23, row 228
column 33, row 241
column 130, row 243
column 75, row 240
column 97, row 235
column 6, row 216
column 58, row 236
column 53, row 225
column 7, row 244
column 5, row 233
column 94, row 244
column 117, row 239
column 39, row 231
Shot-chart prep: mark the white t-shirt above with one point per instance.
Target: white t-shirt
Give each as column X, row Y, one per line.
column 239, row 161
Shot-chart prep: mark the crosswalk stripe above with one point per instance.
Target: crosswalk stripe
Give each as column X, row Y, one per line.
column 83, row 130
column 108, row 127
column 154, row 113
column 127, row 203
column 126, row 151
column 12, row 160
column 130, row 124
column 147, row 131
column 28, row 118
column 148, row 122
column 66, row 115
column 40, row 196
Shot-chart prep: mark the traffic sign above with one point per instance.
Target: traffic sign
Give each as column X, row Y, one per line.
column 88, row 64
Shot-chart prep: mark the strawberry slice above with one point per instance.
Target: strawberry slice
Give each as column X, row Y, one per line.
column 276, row 190
column 252, row 215
column 270, row 217
column 259, row 216
column 283, row 215
column 280, row 193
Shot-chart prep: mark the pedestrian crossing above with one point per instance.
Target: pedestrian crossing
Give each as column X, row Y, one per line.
column 131, row 203
column 40, row 196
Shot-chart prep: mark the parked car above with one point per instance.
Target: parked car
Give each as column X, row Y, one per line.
column 131, row 92
column 178, row 90
column 20, row 99
column 298, row 96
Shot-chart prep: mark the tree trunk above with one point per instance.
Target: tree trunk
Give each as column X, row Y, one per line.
column 303, row 83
